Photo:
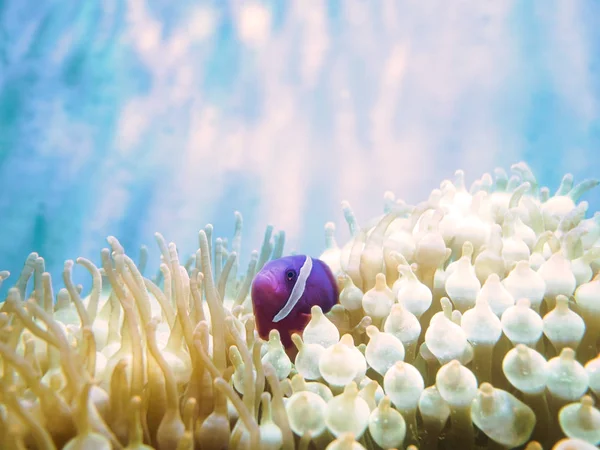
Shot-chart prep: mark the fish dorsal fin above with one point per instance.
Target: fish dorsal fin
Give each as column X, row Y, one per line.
column 297, row 290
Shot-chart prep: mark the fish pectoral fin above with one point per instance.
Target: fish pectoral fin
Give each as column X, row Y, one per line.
column 305, row 319
column 302, row 320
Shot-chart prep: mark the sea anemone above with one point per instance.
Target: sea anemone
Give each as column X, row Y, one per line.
column 470, row 320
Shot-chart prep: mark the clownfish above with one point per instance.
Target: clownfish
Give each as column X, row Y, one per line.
column 284, row 291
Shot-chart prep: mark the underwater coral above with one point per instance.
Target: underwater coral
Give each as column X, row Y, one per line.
column 470, row 320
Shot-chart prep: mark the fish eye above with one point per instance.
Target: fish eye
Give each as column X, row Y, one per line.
column 290, row 274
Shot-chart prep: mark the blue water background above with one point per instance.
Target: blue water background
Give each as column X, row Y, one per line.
column 129, row 117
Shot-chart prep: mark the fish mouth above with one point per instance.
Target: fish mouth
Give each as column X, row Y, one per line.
column 263, row 287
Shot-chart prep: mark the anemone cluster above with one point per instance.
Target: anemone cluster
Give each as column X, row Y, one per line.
column 470, row 320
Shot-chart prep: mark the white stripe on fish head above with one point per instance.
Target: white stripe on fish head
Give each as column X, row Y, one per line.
column 297, row 290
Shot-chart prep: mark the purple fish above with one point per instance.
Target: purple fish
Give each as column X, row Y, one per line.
column 284, row 291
